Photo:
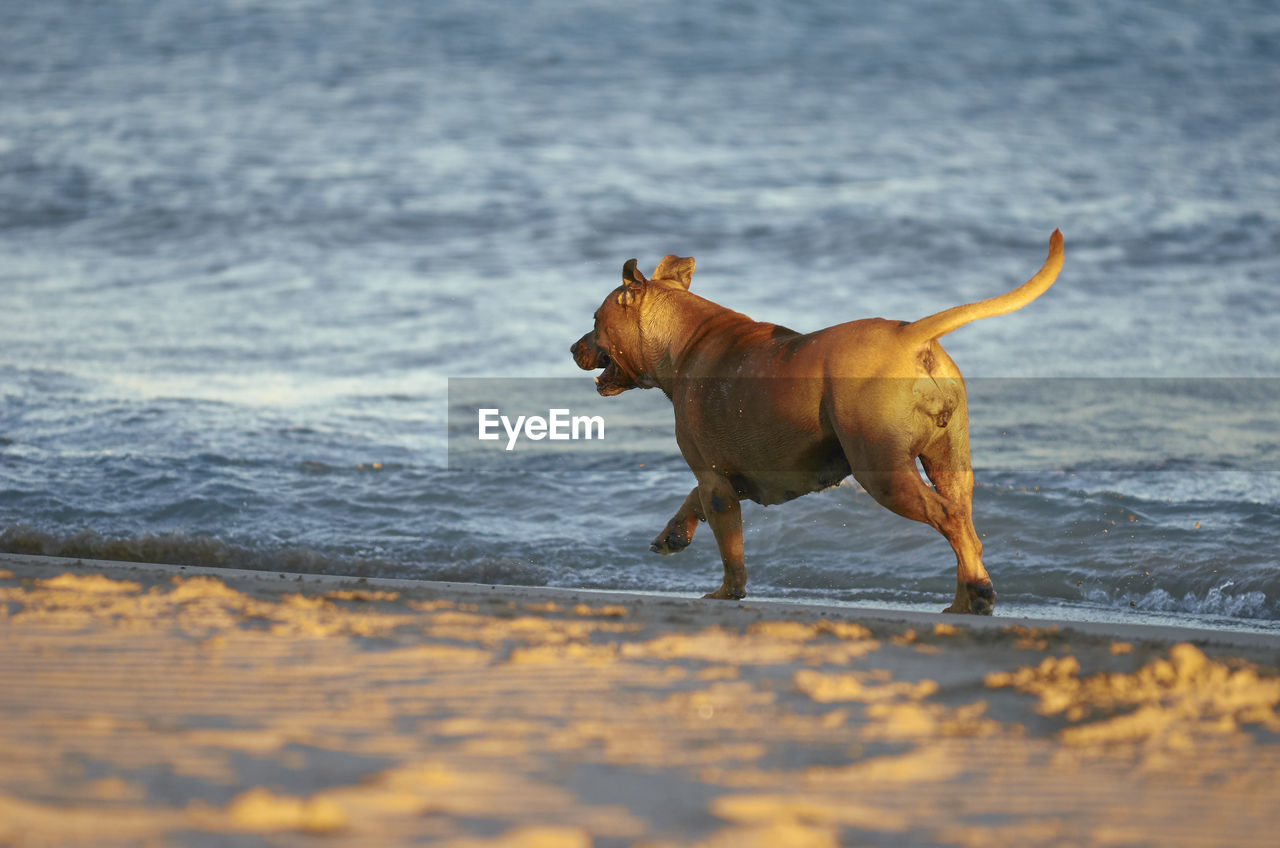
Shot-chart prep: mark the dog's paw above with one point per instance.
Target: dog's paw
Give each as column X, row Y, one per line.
column 672, row 542
column 725, row 594
column 975, row 599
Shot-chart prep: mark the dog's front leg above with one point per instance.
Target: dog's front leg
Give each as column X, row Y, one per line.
column 724, row 514
column 678, row 533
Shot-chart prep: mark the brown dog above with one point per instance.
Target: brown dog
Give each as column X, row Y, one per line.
column 769, row 414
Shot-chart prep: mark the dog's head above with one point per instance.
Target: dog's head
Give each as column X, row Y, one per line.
column 615, row 343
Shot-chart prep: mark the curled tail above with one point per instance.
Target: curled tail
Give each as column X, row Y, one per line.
column 941, row 323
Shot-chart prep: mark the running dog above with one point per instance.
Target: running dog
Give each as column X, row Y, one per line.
column 769, row 414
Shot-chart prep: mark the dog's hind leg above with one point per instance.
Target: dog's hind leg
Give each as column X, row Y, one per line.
column 947, row 463
column 678, row 533
column 724, row 513
column 889, row 475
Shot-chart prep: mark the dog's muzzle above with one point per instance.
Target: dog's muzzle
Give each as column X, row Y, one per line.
column 588, row 356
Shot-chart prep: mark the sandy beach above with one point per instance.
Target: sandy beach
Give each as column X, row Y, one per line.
column 156, row 705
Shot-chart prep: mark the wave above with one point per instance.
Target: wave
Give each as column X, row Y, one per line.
column 184, row 549
column 209, row 552
column 1217, row 601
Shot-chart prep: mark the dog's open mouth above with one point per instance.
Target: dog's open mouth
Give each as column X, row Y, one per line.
column 589, row 356
column 609, row 381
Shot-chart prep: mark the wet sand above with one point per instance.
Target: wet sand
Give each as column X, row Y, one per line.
column 146, row 704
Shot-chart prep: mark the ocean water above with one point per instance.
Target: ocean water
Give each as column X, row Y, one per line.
column 250, row 249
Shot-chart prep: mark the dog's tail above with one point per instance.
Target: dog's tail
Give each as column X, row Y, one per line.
column 941, row 323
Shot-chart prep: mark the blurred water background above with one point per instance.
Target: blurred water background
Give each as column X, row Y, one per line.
column 247, row 245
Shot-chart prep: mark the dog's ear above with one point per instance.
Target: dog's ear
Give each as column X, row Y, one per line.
column 632, row 280
column 678, row 268
column 631, row 276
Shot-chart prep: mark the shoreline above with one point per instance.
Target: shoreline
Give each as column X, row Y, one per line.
column 1201, row 634
column 180, row 703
